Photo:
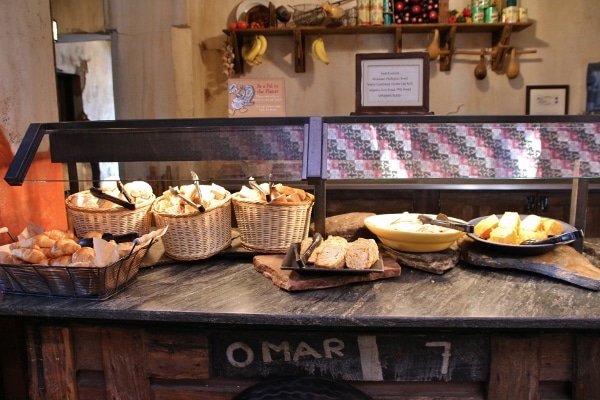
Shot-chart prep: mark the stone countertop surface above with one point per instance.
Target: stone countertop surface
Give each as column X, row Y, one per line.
column 230, row 291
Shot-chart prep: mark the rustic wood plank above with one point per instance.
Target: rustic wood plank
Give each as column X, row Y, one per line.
column 177, row 355
column 124, row 364
column 87, row 345
column 514, row 369
column 556, row 357
column 586, row 371
column 52, row 372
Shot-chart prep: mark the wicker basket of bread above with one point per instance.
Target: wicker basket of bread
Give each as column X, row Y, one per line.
column 272, row 217
column 54, row 263
column 90, row 213
column 195, row 232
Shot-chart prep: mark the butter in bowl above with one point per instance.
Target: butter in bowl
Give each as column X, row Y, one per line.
column 407, row 232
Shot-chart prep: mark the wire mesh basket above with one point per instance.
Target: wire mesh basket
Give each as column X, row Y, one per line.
column 308, row 15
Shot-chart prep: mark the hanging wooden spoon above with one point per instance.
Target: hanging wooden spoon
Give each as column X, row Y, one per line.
column 434, row 47
column 512, row 71
column 480, row 68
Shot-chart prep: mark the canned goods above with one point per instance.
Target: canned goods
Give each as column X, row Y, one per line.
column 480, row 3
column 491, row 15
column 523, row 14
column 510, row 15
column 376, row 10
column 478, row 14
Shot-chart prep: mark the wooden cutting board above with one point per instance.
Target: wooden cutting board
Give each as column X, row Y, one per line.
column 270, row 267
column 563, row 263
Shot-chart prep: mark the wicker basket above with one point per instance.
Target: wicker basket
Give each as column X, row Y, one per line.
column 116, row 220
column 94, row 283
column 272, row 227
column 197, row 235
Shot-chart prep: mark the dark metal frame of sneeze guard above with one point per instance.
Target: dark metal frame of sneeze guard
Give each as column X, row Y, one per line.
column 159, row 140
column 190, row 140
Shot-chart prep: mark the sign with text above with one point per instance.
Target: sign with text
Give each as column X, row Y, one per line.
column 392, row 83
column 256, row 98
column 405, row 357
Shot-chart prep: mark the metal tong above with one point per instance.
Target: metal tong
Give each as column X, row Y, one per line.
column 124, row 192
column 301, row 259
column 256, row 186
column 442, row 220
column 564, row 238
column 101, row 195
column 197, row 184
column 126, row 237
column 182, row 197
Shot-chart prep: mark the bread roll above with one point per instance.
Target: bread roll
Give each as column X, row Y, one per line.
column 139, row 190
column 362, row 254
column 61, row 261
column 30, row 255
column 331, row 253
column 64, row 247
column 41, row 240
column 84, row 254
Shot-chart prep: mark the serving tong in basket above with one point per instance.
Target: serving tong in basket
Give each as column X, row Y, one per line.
column 256, row 186
column 175, row 192
column 101, row 195
column 197, row 184
column 4, row 229
column 123, row 238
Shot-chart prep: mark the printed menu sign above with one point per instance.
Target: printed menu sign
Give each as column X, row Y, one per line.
column 388, row 83
column 256, row 98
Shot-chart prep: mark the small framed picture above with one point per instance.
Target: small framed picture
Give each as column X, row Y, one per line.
column 547, row 100
column 592, row 104
column 392, row 83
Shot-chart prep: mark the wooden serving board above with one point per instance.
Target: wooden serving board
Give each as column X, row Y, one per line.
column 563, row 263
column 270, row 267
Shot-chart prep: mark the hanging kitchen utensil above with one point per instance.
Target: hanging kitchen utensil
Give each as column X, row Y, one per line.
column 434, row 47
column 480, row 69
column 512, row 71
column 197, row 184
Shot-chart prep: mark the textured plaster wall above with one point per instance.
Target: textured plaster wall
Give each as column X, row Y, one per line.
column 564, row 35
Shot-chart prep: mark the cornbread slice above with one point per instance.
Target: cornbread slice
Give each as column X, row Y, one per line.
column 551, row 227
column 510, row 220
column 531, row 222
column 504, row 235
column 485, row 226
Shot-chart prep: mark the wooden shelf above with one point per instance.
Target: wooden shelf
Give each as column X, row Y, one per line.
column 500, row 38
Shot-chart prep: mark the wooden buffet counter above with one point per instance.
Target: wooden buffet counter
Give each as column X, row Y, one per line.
column 209, row 329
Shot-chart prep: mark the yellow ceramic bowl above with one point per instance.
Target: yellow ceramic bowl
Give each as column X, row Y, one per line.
column 398, row 231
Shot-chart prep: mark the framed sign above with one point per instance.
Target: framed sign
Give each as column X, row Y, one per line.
column 547, row 100
column 256, row 97
column 396, row 83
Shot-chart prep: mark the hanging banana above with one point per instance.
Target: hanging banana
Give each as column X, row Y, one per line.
column 253, row 51
column 318, row 51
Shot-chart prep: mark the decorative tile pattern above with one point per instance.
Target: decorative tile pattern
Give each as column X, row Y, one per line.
column 466, row 150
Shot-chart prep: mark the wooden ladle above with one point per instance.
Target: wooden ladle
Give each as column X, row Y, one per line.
column 512, row 71
column 434, row 46
column 480, row 68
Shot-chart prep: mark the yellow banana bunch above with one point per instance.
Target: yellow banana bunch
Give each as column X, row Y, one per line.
column 253, row 51
column 318, row 51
